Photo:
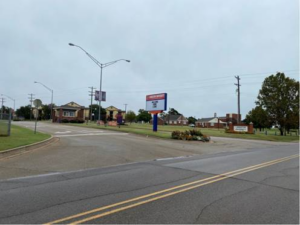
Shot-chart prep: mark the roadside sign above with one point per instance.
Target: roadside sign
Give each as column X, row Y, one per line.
column 37, row 103
column 240, row 128
column 156, row 102
column 101, row 95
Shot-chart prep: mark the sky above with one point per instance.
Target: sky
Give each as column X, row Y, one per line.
column 190, row 49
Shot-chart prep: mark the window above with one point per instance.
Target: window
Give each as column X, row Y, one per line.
column 175, row 122
column 212, row 124
column 69, row 114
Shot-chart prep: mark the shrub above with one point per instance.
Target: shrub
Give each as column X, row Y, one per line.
column 196, row 132
column 190, row 135
column 65, row 121
column 176, row 134
column 80, row 121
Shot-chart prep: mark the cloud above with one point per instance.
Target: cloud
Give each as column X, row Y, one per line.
column 190, row 49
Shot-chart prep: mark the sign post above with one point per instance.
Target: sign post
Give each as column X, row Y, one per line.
column 155, row 122
column 155, row 104
column 37, row 103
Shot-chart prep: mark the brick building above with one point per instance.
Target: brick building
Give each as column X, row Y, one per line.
column 218, row 122
column 69, row 111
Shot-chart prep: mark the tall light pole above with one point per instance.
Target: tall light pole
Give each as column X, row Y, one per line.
column 36, row 82
column 101, row 65
column 11, row 99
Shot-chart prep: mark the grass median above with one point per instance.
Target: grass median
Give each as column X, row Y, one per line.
column 165, row 132
column 21, row 136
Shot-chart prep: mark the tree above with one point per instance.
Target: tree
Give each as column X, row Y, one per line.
column 279, row 96
column 95, row 111
column 24, row 111
column 4, row 109
column 130, row 116
column 259, row 117
column 46, row 112
column 144, row 116
column 173, row 111
column 192, row 120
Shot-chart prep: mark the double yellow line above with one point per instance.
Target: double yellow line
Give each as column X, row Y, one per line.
column 154, row 196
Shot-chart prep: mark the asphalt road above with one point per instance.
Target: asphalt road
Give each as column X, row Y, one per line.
column 248, row 186
column 80, row 148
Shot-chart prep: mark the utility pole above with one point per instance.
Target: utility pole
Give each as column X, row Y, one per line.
column 238, row 85
column 31, row 100
column 91, row 94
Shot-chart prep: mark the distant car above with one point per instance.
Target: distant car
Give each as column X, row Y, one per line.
column 192, row 125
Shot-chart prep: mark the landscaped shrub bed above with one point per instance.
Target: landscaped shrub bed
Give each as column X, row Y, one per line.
column 190, row 135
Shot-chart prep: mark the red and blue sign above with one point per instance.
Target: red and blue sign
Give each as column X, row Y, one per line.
column 156, row 102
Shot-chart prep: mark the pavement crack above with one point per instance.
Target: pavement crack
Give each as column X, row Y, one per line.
column 264, row 184
column 219, row 199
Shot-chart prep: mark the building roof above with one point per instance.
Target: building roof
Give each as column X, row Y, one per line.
column 203, row 120
column 70, row 105
column 174, row 117
column 206, row 120
column 113, row 108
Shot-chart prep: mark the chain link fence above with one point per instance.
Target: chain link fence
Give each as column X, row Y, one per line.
column 5, row 124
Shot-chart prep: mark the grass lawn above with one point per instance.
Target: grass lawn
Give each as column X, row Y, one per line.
column 165, row 132
column 21, row 136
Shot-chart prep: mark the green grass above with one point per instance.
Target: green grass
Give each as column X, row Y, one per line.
column 21, row 136
column 165, row 132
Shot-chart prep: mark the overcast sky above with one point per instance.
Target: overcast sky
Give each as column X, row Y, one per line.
column 190, row 49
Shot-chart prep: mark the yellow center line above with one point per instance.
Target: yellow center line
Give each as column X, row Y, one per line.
column 214, row 178
column 170, row 194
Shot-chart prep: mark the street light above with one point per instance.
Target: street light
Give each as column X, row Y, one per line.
column 36, row 82
column 10, row 99
column 101, row 65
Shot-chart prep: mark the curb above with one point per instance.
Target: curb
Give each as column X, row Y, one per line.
column 26, row 148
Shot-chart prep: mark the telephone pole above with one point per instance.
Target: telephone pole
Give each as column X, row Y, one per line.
column 91, row 94
column 238, row 90
column 30, row 100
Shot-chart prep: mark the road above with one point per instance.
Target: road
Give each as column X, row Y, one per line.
column 254, row 185
column 80, row 148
